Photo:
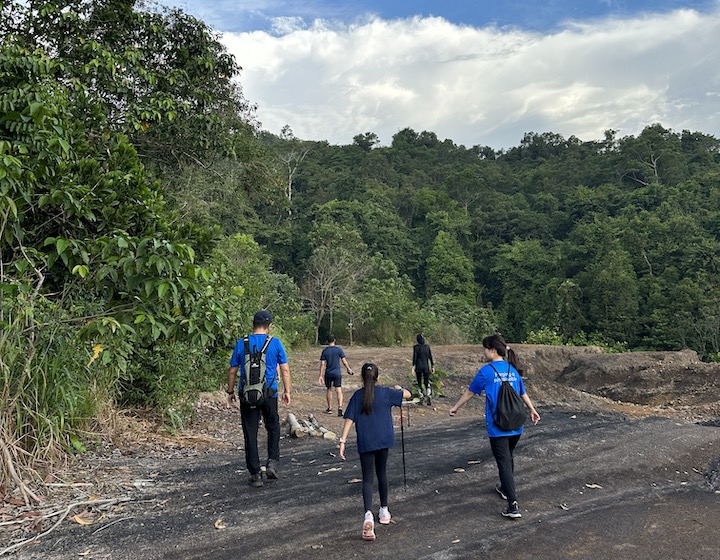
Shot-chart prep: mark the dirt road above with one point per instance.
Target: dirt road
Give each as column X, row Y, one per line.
column 592, row 483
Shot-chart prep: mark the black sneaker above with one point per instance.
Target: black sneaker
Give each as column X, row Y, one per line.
column 512, row 511
column 498, row 489
column 421, row 397
column 340, row 413
column 428, row 401
column 271, row 470
column 256, row 480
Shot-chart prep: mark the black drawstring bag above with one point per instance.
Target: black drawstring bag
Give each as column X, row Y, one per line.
column 510, row 412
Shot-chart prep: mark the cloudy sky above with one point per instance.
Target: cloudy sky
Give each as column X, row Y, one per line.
column 479, row 72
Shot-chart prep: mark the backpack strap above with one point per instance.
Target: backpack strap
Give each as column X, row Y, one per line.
column 246, row 340
column 498, row 375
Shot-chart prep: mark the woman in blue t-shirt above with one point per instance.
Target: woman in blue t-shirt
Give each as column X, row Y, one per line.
column 502, row 443
column 370, row 409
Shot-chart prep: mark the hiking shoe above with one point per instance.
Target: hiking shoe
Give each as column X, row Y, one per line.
column 512, row 511
column 340, row 413
column 271, row 470
column 384, row 516
column 328, row 411
column 256, row 480
column 428, row 401
column 368, row 530
column 498, row 489
column 422, row 399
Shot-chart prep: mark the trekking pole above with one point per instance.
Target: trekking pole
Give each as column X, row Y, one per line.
column 402, row 440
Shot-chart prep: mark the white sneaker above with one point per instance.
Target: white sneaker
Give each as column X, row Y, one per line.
column 384, row 516
column 368, row 530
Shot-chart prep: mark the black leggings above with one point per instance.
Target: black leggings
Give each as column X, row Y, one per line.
column 424, row 377
column 503, row 448
column 374, row 462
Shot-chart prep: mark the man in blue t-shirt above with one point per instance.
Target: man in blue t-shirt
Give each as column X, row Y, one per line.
column 275, row 359
column 330, row 359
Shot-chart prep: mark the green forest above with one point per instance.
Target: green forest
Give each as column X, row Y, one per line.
column 145, row 215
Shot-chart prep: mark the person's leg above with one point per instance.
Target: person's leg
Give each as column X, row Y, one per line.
column 426, row 379
column 272, row 425
column 501, row 451
column 381, row 457
column 328, row 393
column 512, row 442
column 339, row 393
column 419, row 379
column 250, row 418
column 367, row 465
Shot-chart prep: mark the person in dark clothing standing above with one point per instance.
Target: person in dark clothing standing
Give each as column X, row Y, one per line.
column 330, row 359
column 422, row 367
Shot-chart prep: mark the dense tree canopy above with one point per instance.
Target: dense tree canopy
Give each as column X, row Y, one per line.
column 144, row 217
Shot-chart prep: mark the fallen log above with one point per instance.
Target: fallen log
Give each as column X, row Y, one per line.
column 296, row 430
column 302, row 428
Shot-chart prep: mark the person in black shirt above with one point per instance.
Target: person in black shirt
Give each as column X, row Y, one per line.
column 422, row 367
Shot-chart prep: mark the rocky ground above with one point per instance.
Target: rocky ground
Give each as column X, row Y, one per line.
column 624, row 464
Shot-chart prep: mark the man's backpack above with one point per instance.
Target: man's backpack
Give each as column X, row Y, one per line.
column 510, row 411
column 254, row 391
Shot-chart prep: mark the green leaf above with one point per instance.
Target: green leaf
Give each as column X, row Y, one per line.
column 81, row 270
column 61, row 244
column 78, row 445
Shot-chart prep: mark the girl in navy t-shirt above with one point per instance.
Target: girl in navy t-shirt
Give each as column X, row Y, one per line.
column 370, row 409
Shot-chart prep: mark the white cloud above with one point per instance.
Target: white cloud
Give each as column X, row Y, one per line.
column 484, row 86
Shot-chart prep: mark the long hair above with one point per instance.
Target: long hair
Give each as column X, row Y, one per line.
column 420, row 339
column 369, row 377
column 497, row 342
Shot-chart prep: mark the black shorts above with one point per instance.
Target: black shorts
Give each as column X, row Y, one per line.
column 334, row 379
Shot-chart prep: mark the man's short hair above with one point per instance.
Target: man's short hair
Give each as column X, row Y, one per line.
column 331, row 338
column 262, row 318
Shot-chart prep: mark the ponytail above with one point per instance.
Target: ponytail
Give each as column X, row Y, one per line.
column 498, row 343
column 369, row 377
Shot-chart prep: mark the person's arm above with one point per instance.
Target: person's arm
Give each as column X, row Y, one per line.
column 347, row 366
column 432, row 363
column 467, row 395
column 406, row 394
column 231, row 380
column 321, row 377
column 534, row 416
column 343, row 438
column 285, row 374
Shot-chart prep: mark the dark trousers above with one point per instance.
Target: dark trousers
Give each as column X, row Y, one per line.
column 423, row 379
column 250, row 418
column 374, row 463
column 502, row 449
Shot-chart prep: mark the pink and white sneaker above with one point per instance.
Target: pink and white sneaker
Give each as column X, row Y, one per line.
column 384, row 516
column 368, row 530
